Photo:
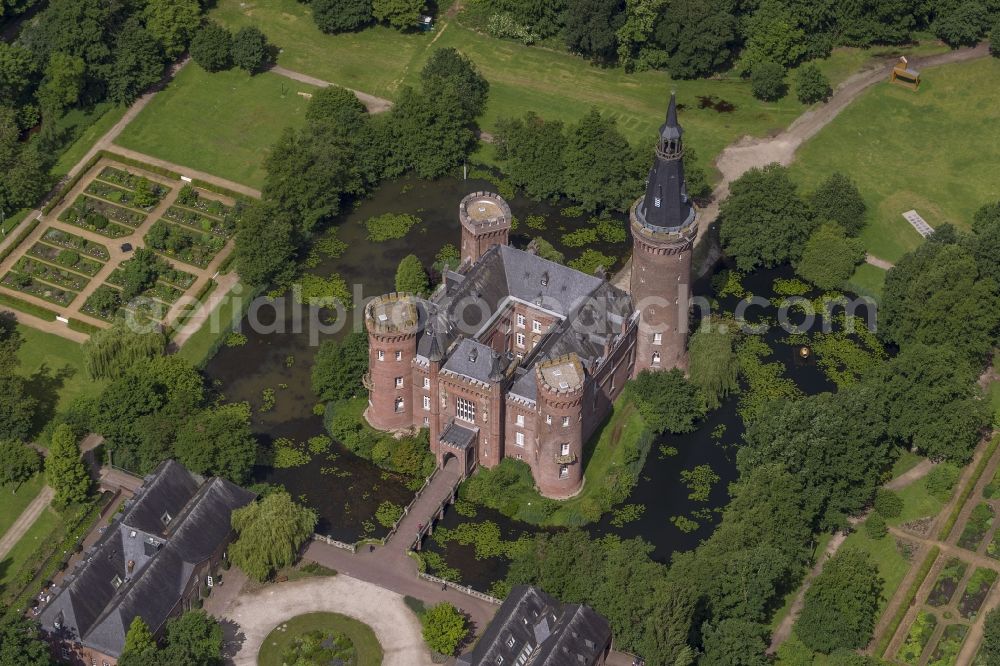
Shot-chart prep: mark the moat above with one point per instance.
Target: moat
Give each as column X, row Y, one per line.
column 346, row 489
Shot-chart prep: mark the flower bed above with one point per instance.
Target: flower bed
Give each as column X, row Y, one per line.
column 70, row 259
column 30, row 285
column 947, row 582
column 114, row 212
column 51, row 274
column 916, row 640
column 948, row 647
column 195, row 220
column 182, row 244
column 975, row 592
column 150, row 192
column 975, row 529
column 104, row 303
column 162, row 291
column 73, row 242
column 118, row 195
column 88, row 213
column 189, row 197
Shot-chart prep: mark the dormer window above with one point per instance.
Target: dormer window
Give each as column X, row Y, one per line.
column 545, row 278
column 116, row 582
column 166, row 518
column 510, row 642
column 131, row 534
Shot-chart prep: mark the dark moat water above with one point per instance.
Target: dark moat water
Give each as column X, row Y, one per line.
column 346, row 489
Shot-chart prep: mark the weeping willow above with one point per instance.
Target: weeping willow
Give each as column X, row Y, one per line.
column 713, row 365
column 110, row 353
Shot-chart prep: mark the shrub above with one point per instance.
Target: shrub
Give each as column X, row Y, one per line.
column 875, row 526
column 546, row 250
column 388, row 513
column 591, row 260
column 332, row 16
column 68, row 258
column 767, row 81
column 888, row 503
column 249, row 49
column 811, row 86
column 941, row 480
column 444, row 628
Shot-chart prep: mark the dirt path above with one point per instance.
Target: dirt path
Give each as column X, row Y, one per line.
column 25, row 520
column 784, row 630
column 372, row 103
column 750, row 152
column 879, row 263
column 192, row 325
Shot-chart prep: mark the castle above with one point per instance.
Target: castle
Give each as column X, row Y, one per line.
column 517, row 356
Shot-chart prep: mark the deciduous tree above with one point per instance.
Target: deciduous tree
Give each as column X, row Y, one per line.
column 838, row 199
column 533, row 152
column 666, row 400
column 829, row 257
column 193, row 639
column 111, row 352
column 411, row 276
column 138, row 63
column 140, row 647
column 270, row 530
column 218, row 442
column 767, row 81
column 698, row 36
column 713, row 366
column 332, row 16
column 250, row 49
column 173, row 23
column 961, row 23
column 212, row 47
column 811, row 85
column 21, row 644
column 449, row 68
column 400, row 14
column 591, row 28
column 339, row 366
column 842, row 603
column 64, row 78
column 65, row 469
column 602, row 169
column 18, row 462
column 265, row 246
column 444, row 628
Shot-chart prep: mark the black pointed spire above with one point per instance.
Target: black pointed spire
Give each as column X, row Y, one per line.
column 434, row 353
column 666, row 207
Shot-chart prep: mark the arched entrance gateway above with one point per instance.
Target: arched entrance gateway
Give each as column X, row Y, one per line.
column 457, row 451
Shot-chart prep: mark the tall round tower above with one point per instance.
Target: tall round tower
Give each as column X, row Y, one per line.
column 559, row 453
column 392, row 325
column 485, row 221
column 663, row 234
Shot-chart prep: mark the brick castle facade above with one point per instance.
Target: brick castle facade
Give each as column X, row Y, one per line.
column 517, row 356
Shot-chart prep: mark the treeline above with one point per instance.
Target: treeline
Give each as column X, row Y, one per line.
column 75, row 54
column 697, row 38
column 343, row 153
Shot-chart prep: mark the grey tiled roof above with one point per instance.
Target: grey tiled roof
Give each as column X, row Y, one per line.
column 92, row 610
column 471, row 359
column 458, row 436
column 532, row 622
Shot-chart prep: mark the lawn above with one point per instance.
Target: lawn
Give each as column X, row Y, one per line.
column 205, row 341
column 221, row 123
column 554, row 84
column 13, row 503
column 917, row 503
column 39, row 532
column 369, row 652
column 867, row 280
column 906, row 150
column 62, row 357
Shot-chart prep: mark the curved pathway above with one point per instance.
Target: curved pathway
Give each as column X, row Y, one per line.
column 395, row 626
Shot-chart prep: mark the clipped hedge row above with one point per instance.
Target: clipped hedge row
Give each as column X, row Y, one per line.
column 907, row 601
column 83, row 327
column 71, row 183
column 20, row 238
column 27, row 308
column 218, row 189
column 968, row 488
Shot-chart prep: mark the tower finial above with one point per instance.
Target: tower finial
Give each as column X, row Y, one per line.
column 672, row 110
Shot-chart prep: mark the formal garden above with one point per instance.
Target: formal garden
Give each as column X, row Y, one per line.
column 321, row 638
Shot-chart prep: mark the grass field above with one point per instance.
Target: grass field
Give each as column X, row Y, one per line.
column 22, row 551
column 220, row 123
column 867, row 280
column 929, row 150
column 554, row 84
column 366, row 645
column 64, row 360
column 13, row 503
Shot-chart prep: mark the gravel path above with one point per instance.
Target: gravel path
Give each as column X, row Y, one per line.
column 25, row 520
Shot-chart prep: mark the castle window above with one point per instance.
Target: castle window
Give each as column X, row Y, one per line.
column 427, row 422
column 548, row 419
column 520, row 339
column 520, row 321
column 427, row 382
column 465, row 410
column 520, row 420
column 656, row 358
column 399, row 382
column 519, row 438
column 656, row 201
column 563, row 471
column 657, row 338
column 564, row 450
column 381, row 355
column 427, row 402
column 536, row 326
column 565, row 422
column 399, row 356
column 399, row 405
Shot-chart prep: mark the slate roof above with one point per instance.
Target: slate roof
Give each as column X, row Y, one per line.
column 471, row 359
column 93, row 610
column 458, row 436
column 533, row 625
column 666, row 208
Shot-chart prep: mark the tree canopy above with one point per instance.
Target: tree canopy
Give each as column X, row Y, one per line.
column 339, row 366
column 21, row 644
column 444, row 628
column 666, row 400
column 411, row 276
column 111, row 352
column 837, row 199
column 65, row 469
column 333, row 16
column 270, row 532
column 218, row 442
column 842, row 604
column 212, row 47
column 829, row 257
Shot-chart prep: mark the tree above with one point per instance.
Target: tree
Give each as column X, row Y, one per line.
column 411, row 276
column 138, row 63
column 444, row 628
column 933, row 402
column 250, row 49
column 173, row 23
column 546, row 250
column 866, row 23
column 875, row 526
column 635, row 31
column 18, row 74
column 449, row 68
column 18, row 462
column 193, row 639
column 111, row 352
column 337, row 107
column 764, row 222
column 212, row 47
column 591, row 28
column 837, row 198
column 602, row 169
column 140, row 647
column 842, row 604
column 829, row 257
column 811, row 85
column 264, row 246
column 10, row 342
column 995, row 39
column 218, row 442
column 332, row 16
column 21, row 644
column 984, row 241
column 64, row 78
column 767, row 81
column 16, row 408
column 400, row 14
column 934, row 295
column 433, row 132
column 666, row 400
column 270, row 530
column 65, row 469
column 714, row 368
column 961, row 23
column 773, row 35
column 699, row 36
column 339, row 366
column 533, row 152
column 734, row 642
column 990, row 649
